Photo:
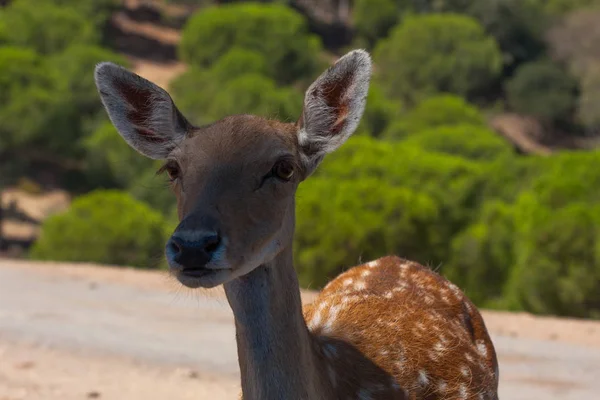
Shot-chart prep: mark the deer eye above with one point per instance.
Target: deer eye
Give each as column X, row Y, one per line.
column 172, row 170
column 283, row 170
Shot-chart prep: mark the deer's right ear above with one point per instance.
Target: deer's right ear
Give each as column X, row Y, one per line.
column 143, row 113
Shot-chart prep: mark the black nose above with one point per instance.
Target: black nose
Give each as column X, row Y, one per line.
column 193, row 254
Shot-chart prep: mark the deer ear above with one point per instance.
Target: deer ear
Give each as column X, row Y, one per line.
column 143, row 113
column 333, row 107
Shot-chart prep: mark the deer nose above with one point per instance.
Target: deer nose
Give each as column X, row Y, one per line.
column 193, row 254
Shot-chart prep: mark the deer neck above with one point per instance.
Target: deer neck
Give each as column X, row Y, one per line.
column 275, row 349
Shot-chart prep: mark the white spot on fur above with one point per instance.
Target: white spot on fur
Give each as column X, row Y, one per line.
column 366, row 272
column 454, row 289
column 442, row 386
column 388, row 295
column 333, row 312
column 465, row 370
column 360, row 285
column 482, row 348
column 373, row 264
column 423, row 378
column 463, row 392
column 347, row 281
column 469, row 357
column 439, row 347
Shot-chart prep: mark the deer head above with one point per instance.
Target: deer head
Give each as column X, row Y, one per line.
column 235, row 180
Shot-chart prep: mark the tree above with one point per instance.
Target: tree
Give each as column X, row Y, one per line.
column 275, row 31
column 454, row 55
column 206, row 95
column 452, row 182
column 433, row 112
column 76, row 65
column 557, row 269
column 45, row 27
column 543, row 90
column 373, row 19
column 370, row 220
column 379, row 112
column 107, row 227
column 473, row 142
column 518, row 26
column 482, row 255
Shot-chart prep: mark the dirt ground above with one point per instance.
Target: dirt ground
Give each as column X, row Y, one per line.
column 83, row 332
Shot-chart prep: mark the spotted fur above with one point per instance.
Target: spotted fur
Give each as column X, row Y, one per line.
column 419, row 328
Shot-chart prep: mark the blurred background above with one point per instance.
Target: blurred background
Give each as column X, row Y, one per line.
column 477, row 154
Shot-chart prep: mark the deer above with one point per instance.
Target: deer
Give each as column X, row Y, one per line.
column 389, row 328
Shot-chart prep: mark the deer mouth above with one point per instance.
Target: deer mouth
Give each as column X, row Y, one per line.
column 202, row 277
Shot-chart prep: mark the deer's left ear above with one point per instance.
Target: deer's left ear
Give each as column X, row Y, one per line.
column 333, row 107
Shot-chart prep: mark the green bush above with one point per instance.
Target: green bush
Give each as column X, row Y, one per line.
column 482, row 255
column 112, row 162
column 275, row 31
column 380, row 112
column 543, row 90
column 19, row 69
column 107, row 227
column 45, row 27
column 239, row 61
column 373, row 19
column 203, row 98
column 557, row 268
column 434, row 112
column 518, row 26
column 467, row 141
column 362, row 219
column 74, row 66
column 452, row 182
column 453, row 55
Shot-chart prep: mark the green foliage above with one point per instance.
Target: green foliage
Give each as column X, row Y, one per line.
column 434, row 112
column 557, row 268
column 360, row 219
column 379, row 112
column 467, row 141
column 20, row 68
column 45, row 27
column 452, row 182
column 111, row 161
column 373, row 19
column 239, row 61
column 543, row 90
column 483, row 255
column 453, row 55
column 518, row 26
column 206, row 95
column 275, row 31
column 107, row 227
column 75, row 68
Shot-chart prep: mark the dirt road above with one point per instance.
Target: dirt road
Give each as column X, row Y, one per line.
column 77, row 332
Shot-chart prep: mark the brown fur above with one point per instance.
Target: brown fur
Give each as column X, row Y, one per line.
column 413, row 324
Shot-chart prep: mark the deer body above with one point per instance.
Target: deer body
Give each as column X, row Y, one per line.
column 388, row 329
